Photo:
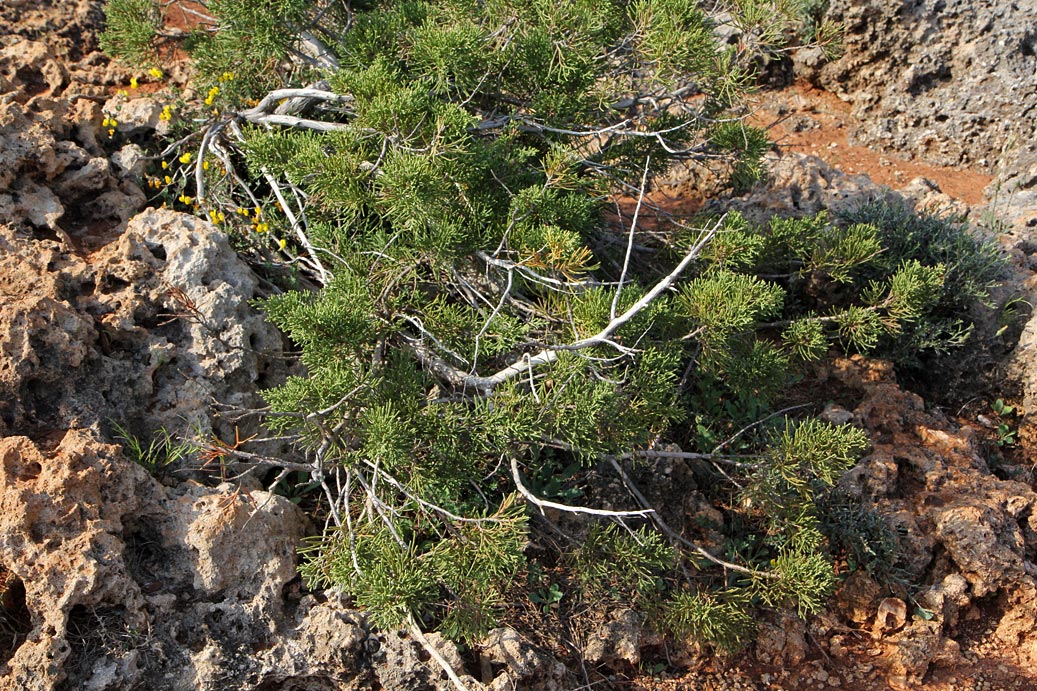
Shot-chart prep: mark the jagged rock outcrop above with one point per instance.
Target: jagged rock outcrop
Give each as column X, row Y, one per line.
column 129, row 582
column 55, row 176
column 151, row 332
column 968, row 537
column 951, row 81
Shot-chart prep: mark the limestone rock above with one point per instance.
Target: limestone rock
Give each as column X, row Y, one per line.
column 617, row 641
column 782, row 642
column 949, row 81
column 127, row 580
column 961, row 528
column 134, row 116
column 149, row 333
column 521, row 665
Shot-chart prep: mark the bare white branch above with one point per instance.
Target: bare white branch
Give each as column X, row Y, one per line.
column 663, row 526
column 545, row 504
column 440, row 660
column 630, row 239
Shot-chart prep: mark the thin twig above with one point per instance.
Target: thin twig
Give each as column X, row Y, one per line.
column 663, row 526
column 630, row 239
column 545, row 504
column 300, row 233
column 440, row 660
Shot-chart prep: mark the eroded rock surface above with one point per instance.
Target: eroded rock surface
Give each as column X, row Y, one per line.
column 151, row 332
column 951, row 81
column 968, row 537
column 130, row 582
column 55, row 175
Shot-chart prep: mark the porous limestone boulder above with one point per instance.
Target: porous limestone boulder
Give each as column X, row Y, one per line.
column 152, row 332
column 129, row 583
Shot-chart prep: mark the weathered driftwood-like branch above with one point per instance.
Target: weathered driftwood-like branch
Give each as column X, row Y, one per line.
column 545, row 504
column 484, row 385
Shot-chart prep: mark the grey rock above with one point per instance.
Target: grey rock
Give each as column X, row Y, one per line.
column 800, row 185
column 616, row 641
column 782, row 642
column 150, row 333
column 130, row 160
column 523, row 665
column 31, row 202
column 951, row 81
column 135, row 115
column 133, row 584
column 89, row 179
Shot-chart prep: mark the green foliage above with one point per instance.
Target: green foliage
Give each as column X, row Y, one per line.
column 1006, row 434
column 446, row 184
column 162, row 450
column 252, row 42
column 803, row 578
column 130, row 31
column 724, row 304
column 628, row 561
column 750, row 144
column 721, row 618
column 972, row 267
column 862, row 536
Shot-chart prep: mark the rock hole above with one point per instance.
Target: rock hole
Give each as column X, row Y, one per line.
column 32, row 81
column 109, row 283
column 144, row 555
column 40, row 400
column 1027, row 43
column 15, row 618
column 158, row 251
column 96, row 634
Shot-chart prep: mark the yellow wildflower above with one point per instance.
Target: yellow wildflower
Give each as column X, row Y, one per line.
column 169, row 180
column 133, row 83
column 184, row 199
column 123, row 93
column 185, row 157
column 164, row 165
column 282, row 243
column 155, row 72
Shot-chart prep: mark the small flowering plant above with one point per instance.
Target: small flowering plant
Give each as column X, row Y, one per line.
column 192, row 177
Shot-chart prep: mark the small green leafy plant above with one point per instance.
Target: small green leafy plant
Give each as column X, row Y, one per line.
column 162, row 450
column 548, row 597
column 1006, row 434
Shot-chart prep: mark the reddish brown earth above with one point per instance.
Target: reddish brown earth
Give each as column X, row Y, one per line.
column 807, row 120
